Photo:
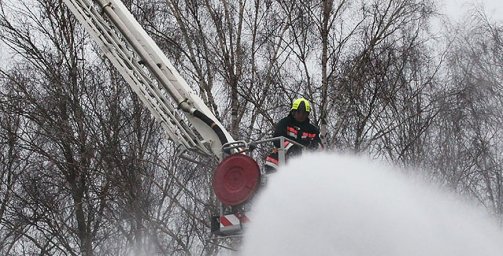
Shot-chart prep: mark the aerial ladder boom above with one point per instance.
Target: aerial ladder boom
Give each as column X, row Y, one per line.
column 186, row 119
column 151, row 75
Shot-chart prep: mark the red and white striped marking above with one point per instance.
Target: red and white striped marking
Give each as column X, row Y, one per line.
column 233, row 220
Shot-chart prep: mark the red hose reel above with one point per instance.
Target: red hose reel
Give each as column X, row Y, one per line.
column 236, row 179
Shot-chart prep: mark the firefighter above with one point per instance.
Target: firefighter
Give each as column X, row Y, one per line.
column 297, row 127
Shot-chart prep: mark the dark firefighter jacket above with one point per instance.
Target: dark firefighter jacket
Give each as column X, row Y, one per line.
column 302, row 132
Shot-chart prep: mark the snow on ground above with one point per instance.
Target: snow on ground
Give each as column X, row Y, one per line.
column 332, row 204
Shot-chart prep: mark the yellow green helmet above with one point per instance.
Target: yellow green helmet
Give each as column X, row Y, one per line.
column 301, row 104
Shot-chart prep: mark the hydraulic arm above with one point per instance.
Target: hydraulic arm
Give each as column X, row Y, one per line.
column 185, row 118
column 150, row 74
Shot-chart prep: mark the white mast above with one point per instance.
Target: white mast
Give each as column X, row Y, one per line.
column 151, row 75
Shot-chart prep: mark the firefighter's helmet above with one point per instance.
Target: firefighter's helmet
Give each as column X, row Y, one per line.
column 301, row 104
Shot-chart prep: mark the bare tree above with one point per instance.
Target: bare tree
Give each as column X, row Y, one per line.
column 232, row 47
column 467, row 133
column 381, row 87
column 60, row 204
column 86, row 171
column 14, row 161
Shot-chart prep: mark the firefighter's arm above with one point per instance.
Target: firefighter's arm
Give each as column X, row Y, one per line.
column 316, row 143
column 280, row 130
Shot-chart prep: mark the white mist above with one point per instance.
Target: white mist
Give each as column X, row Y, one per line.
column 331, row 204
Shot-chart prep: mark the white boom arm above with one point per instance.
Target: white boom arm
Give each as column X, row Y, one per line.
column 150, row 74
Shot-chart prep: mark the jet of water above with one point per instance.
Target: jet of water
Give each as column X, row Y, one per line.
column 333, row 204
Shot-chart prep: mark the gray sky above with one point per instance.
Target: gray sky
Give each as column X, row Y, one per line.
column 456, row 8
column 3, row 55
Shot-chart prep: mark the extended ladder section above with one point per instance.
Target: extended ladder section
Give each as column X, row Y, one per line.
column 185, row 118
column 150, row 74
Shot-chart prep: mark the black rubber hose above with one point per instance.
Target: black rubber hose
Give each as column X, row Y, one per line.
column 213, row 125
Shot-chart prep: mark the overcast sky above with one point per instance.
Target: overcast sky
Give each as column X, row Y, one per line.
column 456, row 8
